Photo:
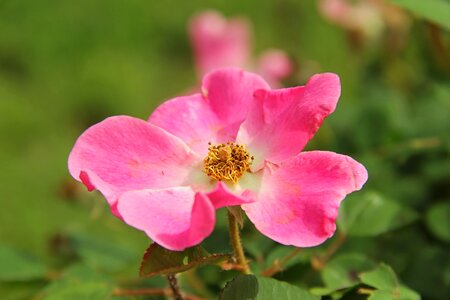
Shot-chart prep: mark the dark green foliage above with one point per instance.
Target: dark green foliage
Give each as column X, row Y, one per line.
column 249, row 287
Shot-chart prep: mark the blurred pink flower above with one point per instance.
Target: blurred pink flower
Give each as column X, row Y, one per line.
column 236, row 143
column 367, row 18
column 364, row 16
column 218, row 42
column 274, row 65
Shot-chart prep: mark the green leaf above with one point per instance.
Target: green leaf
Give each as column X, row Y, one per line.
column 18, row 290
column 17, row 266
column 382, row 295
column 438, row 220
column 79, row 282
column 82, row 290
column 158, row 260
column 408, row 294
column 322, row 291
column 371, row 214
column 341, row 272
column 382, row 278
column 385, row 281
column 437, row 11
column 101, row 254
column 250, row 287
column 242, row 287
column 270, row 288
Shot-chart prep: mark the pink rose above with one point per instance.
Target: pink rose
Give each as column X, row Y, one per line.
column 237, row 143
column 218, row 42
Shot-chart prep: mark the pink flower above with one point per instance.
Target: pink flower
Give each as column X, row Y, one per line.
column 364, row 17
column 274, row 65
column 237, row 143
column 218, row 42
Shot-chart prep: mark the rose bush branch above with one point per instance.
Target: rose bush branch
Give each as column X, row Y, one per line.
column 277, row 265
column 238, row 250
column 120, row 292
column 173, row 283
column 319, row 262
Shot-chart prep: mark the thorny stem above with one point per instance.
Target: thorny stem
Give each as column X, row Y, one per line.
column 318, row 263
column 238, row 251
column 173, row 283
column 277, row 265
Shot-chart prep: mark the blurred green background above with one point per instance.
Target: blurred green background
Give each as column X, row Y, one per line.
column 65, row 65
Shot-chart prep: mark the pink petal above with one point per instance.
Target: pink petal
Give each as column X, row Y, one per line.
column 274, row 65
column 175, row 218
column 221, row 196
column 299, row 199
column 214, row 116
column 191, row 119
column 281, row 122
column 229, row 92
column 219, row 43
column 123, row 153
column 337, row 11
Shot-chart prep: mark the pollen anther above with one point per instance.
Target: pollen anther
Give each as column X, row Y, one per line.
column 227, row 161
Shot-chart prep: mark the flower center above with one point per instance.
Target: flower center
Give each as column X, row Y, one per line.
column 227, row 161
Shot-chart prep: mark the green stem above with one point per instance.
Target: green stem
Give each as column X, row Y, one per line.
column 238, row 251
column 277, row 265
column 119, row 292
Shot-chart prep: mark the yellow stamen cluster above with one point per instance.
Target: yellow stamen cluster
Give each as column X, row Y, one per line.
column 227, row 162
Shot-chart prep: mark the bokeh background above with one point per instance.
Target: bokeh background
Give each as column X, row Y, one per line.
column 65, row 65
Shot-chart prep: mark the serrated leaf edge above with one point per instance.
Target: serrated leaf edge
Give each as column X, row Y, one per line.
column 174, row 270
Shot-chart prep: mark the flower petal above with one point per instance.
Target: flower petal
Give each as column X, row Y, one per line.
column 191, row 119
column 218, row 42
column 214, row 116
column 221, row 196
column 229, row 92
column 175, row 218
column 299, row 199
column 337, row 11
column 281, row 122
column 123, row 153
column 274, row 65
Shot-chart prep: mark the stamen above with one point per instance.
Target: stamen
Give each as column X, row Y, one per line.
column 227, row 161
